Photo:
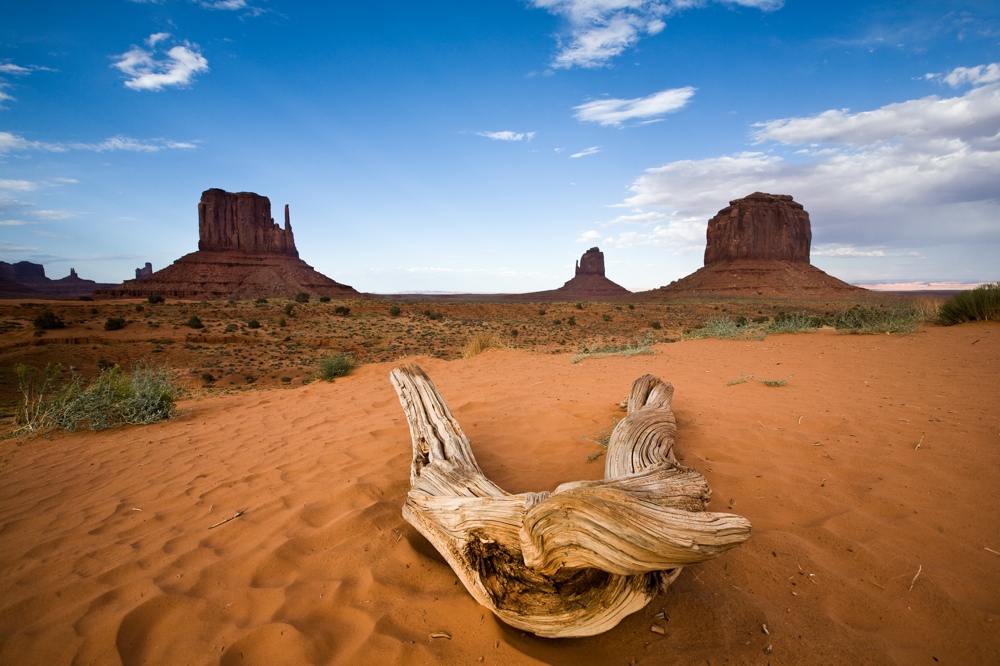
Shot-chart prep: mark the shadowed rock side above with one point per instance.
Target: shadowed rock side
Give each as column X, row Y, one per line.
column 589, row 283
column 242, row 254
column 27, row 280
column 758, row 246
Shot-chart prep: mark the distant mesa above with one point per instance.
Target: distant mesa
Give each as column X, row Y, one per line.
column 589, row 283
column 241, row 253
column 758, row 246
column 27, row 280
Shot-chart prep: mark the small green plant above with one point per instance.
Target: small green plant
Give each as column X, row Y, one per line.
column 724, row 327
column 774, row 382
column 433, row 316
column 302, row 297
column 637, row 348
column 631, row 307
column 513, row 332
column 869, row 320
column 231, row 327
column 331, row 367
column 606, row 317
column 795, row 322
column 114, row 323
column 602, row 438
column 579, row 306
column 139, row 307
column 324, row 299
column 571, row 321
column 742, row 379
column 260, row 301
column 285, row 379
column 288, row 309
column 342, row 310
column 979, row 304
column 541, row 311
column 480, row 342
column 207, row 377
column 253, row 323
column 155, row 297
column 194, row 322
column 655, row 325
column 86, row 298
column 394, row 311
column 282, row 322
column 48, row 321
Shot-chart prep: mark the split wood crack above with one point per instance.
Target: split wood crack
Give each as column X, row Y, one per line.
column 576, row 561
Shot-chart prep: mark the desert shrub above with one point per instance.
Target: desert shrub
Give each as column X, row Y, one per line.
column 48, row 320
column 302, row 297
column 194, row 322
column 331, row 367
column 114, row 323
column 260, row 301
column 579, row 306
column 394, row 311
column 631, row 307
column 724, row 327
column 637, row 348
column 790, row 323
column 324, row 299
column 231, row 327
column 655, row 325
column 139, row 307
column 541, row 311
column 513, row 332
column 606, row 317
column 113, row 398
column 86, row 298
column 207, row 377
column 571, row 321
column 433, row 316
column 480, row 342
column 285, row 379
column 288, row 309
column 282, row 322
column 104, row 364
column 342, row 310
column 94, row 311
column 155, row 297
column 253, row 323
column 868, row 320
column 602, row 438
column 979, row 304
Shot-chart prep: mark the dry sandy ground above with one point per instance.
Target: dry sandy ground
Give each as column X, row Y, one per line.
column 107, row 556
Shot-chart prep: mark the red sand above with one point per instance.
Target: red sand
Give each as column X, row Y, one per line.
column 106, row 555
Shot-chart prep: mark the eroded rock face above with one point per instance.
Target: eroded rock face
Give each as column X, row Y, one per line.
column 591, row 263
column 143, row 272
column 242, row 222
column 760, row 226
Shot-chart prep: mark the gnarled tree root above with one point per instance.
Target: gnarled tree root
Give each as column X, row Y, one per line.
column 576, row 561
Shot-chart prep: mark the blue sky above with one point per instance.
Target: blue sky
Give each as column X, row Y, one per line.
column 484, row 146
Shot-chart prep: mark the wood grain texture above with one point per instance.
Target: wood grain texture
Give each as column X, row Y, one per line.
column 576, row 561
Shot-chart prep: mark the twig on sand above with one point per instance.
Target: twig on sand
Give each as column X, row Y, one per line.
column 920, row 568
column 232, row 517
column 917, row 447
column 991, row 550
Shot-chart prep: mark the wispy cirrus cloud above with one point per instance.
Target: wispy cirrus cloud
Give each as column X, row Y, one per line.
column 593, row 150
column 595, row 31
column 18, row 185
column 148, row 70
column 976, row 76
column 617, row 111
column 13, row 143
column 507, row 135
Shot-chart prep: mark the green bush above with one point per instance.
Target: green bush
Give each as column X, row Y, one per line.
column 302, row 297
column 571, row 321
column 253, row 323
column 342, row 310
column 331, row 367
column 48, row 320
column 324, row 299
column 979, row 304
column 260, row 301
column 282, row 322
column 790, row 323
column 727, row 328
column 86, row 298
column 112, row 399
column 194, row 322
column 114, row 323
column 207, row 377
column 288, row 309
column 394, row 311
column 155, row 297
column 655, row 325
column 139, row 307
column 579, row 306
column 869, row 320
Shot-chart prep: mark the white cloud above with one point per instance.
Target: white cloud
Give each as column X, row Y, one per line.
column 54, row 214
column 11, row 68
column 14, row 223
column 911, row 174
column 229, row 5
column 616, row 111
column 18, row 185
column 598, row 30
column 178, row 68
column 641, row 218
column 586, row 151
column 842, row 251
column 11, row 143
column 589, row 236
column 976, row 76
column 507, row 135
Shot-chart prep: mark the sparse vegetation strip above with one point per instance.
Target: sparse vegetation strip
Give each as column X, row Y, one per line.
column 979, row 304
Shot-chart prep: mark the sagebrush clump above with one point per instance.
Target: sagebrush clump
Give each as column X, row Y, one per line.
column 979, row 304
column 331, row 367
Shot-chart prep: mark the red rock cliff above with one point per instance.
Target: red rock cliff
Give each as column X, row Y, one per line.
column 760, row 226
column 242, row 222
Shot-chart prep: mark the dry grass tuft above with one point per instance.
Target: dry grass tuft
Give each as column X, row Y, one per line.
column 480, row 342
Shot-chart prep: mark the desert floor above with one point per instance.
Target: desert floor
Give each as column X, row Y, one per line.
column 870, row 479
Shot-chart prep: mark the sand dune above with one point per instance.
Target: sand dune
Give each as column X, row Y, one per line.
column 107, row 554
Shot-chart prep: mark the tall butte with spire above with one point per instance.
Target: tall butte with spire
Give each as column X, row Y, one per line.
column 241, row 253
column 758, row 246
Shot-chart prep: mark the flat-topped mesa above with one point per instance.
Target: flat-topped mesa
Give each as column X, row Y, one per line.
column 759, row 226
column 591, row 263
column 242, row 222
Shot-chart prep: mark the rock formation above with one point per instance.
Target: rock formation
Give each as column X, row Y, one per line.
column 27, row 280
column 758, row 246
column 241, row 253
column 145, row 271
column 589, row 283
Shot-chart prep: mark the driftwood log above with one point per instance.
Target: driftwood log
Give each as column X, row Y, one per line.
column 575, row 561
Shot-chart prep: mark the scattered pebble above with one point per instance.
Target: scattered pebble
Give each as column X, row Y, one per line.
column 657, row 629
column 441, row 634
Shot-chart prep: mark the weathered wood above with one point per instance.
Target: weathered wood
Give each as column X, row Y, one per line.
column 576, row 561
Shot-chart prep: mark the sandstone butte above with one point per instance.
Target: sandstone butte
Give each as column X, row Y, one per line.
column 758, row 246
column 241, row 253
column 589, row 283
column 27, row 280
